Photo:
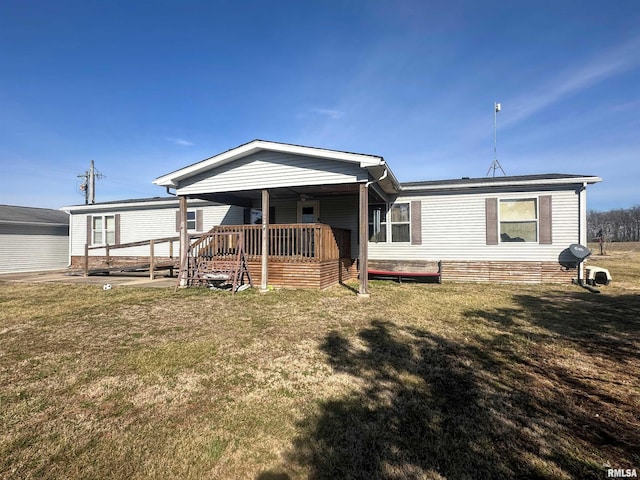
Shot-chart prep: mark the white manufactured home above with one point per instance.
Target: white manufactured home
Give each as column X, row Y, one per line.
column 326, row 216
column 33, row 239
column 124, row 229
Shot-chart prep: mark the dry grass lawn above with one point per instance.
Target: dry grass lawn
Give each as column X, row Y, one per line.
column 451, row 381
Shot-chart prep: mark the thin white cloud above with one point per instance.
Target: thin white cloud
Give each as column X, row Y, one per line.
column 181, row 141
column 328, row 112
column 600, row 68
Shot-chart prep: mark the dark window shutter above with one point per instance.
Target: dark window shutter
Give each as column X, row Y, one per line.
column 199, row 221
column 178, row 221
column 117, row 233
column 416, row 222
column 247, row 216
column 546, row 237
column 272, row 215
column 491, row 213
column 89, row 229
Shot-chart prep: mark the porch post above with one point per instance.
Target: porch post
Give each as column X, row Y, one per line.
column 363, row 291
column 265, row 241
column 184, row 241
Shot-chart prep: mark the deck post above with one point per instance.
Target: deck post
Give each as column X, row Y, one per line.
column 363, row 291
column 152, row 259
column 265, row 241
column 184, row 241
column 171, row 257
column 86, row 259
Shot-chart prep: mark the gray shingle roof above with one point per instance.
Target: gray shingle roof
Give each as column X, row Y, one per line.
column 506, row 180
column 15, row 214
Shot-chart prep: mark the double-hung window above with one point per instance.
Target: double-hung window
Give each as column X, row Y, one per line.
column 519, row 220
column 393, row 222
column 191, row 220
column 103, row 230
column 400, row 222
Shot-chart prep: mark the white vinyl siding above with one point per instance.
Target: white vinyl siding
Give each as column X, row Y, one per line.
column 454, row 228
column 272, row 170
column 33, row 248
column 139, row 223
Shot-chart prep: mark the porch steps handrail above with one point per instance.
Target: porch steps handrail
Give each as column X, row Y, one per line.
column 216, row 257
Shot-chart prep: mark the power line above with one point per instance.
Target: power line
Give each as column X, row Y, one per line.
column 88, row 185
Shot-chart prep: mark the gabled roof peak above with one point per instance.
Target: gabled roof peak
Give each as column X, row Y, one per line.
column 254, row 146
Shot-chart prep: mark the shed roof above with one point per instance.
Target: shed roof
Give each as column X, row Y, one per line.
column 32, row 215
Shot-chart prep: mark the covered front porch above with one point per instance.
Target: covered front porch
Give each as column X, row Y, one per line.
column 305, row 237
column 306, row 210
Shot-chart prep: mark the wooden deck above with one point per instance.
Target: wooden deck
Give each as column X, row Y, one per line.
column 299, row 255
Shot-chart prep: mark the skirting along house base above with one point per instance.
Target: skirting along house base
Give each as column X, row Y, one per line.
column 323, row 215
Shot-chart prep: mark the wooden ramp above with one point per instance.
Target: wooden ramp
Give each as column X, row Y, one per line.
column 138, row 267
column 104, row 262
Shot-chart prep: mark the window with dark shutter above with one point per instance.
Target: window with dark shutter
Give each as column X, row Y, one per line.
column 89, row 230
column 117, row 221
column 199, row 221
column 491, row 214
column 416, row 222
column 546, row 236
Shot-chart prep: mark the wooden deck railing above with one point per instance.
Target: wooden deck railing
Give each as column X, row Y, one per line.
column 304, row 242
column 298, row 242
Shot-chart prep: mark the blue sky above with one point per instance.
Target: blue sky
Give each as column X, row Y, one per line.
column 147, row 87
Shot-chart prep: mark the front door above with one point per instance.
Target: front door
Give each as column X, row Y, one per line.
column 308, row 211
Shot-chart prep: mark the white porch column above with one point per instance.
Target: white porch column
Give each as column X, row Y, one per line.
column 363, row 291
column 184, row 241
column 265, row 241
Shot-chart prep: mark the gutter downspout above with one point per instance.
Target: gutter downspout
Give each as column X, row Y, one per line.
column 363, row 234
column 582, row 226
column 384, row 175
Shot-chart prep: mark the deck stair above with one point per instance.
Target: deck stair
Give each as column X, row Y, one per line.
column 217, row 260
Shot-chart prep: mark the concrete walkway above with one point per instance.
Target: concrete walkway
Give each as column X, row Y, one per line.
column 134, row 279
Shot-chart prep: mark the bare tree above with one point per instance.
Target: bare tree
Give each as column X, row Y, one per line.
column 619, row 225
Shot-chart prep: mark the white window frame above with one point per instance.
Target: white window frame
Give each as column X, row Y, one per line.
column 192, row 223
column 391, row 223
column 535, row 220
column 102, row 230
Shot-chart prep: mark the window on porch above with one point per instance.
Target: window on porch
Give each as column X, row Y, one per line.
column 377, row 223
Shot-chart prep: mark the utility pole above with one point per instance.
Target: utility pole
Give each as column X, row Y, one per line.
column 88, row 185
column 495, row 164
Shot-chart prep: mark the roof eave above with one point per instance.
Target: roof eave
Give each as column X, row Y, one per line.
column 516, row 183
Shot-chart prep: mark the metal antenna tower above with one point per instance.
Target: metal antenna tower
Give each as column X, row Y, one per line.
column 495, row 165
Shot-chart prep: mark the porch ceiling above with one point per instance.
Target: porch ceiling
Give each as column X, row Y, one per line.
column 246, row 198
